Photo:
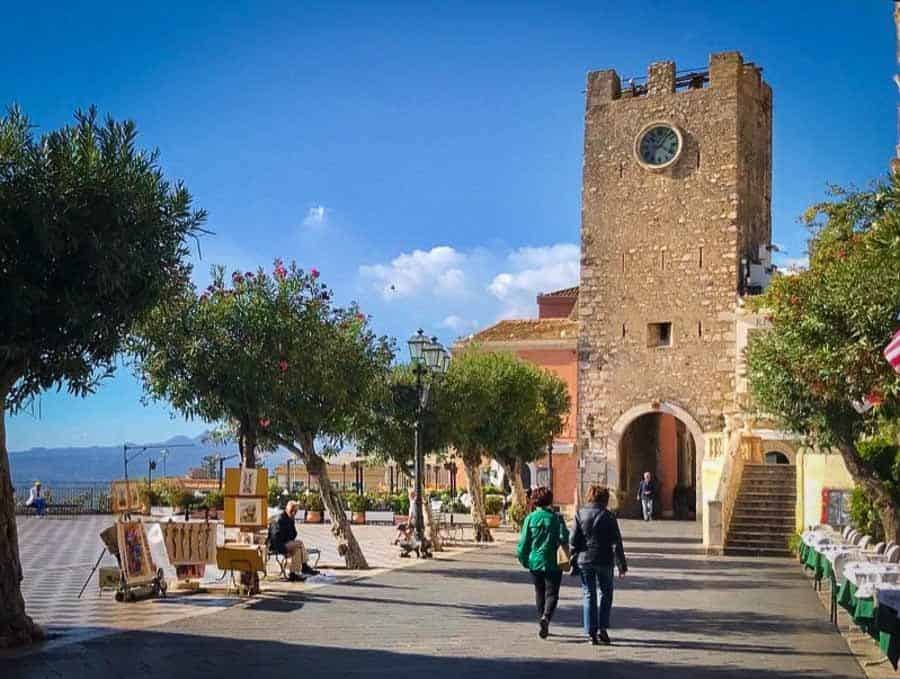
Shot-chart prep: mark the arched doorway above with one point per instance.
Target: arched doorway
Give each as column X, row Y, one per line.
column 662, row 444
column 776, row 457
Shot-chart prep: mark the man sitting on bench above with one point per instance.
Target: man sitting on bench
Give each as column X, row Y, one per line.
column 36, row 500
column 284, row 541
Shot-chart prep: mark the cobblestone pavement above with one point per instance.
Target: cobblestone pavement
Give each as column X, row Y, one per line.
column 677, row 614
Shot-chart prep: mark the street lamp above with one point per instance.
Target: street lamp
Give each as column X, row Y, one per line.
column 427, row 357
column 222, row 467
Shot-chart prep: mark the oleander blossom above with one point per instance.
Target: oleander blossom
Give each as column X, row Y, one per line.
column 264, row 423
column 283, row 365
column 314, row 273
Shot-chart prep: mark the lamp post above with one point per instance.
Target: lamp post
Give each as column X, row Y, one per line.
column 428, row 357
column 222, row 467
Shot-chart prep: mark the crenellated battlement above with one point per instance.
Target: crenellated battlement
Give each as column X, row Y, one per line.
column 727, row 70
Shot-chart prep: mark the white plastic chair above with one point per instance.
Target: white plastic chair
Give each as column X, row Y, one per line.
column 893, row 554
column 846, row 531
column 864, row 543
column 879, row 548
column 853, row 536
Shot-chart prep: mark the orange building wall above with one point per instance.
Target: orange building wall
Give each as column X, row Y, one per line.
column 667, row 462
column 561, row 362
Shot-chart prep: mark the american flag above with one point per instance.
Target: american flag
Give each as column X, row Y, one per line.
column 892, row 352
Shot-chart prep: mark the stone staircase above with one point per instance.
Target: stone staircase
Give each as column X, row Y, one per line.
column 763, row 519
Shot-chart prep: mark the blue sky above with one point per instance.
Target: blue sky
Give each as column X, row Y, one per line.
column 435, row 147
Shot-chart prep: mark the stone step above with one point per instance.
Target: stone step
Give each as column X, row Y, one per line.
column 776, row 483
column 780, row 528
column 754, row 543
column 782, row 508
column 766, row 517
column 763, row 495
column 731, row 550
column 756, row 535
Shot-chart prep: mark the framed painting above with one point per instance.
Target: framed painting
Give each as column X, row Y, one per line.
column 125, row 496
column 246, row 482
column 246, row 512
column 134, row 552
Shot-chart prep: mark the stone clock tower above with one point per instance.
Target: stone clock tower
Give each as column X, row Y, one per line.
column 676, row 229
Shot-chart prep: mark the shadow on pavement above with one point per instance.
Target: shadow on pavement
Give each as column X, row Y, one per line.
column 160, row 655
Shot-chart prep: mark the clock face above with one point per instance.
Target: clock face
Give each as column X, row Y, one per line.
column 659, row 145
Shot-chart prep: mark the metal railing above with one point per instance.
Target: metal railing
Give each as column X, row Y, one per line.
column 70, row 498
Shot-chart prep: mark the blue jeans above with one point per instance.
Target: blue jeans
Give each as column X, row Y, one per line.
column 39, row 504
column 647, row 508
column 592, row 578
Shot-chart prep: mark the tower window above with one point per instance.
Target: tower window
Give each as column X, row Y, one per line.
column 659, row 334
column 699, row 328
column 700, row 259
column 623, row 331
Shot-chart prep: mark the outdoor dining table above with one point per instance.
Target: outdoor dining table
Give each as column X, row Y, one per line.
column 886, row 620
column 858, row 591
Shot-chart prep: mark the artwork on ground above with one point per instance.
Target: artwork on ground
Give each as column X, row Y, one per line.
column 190, row 571
column 248, row 482
column 249, row 512
column 134, row 552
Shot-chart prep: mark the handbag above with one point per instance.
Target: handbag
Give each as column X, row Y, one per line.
column 562, row 558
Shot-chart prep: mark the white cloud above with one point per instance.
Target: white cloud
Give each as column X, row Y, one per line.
column 534, row 270
column 789, row 266
column 316, row 216
column 439, row 270
column 458, row 324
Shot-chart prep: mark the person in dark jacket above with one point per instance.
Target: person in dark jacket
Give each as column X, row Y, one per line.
column 543, row 531
column 284, row 541
column 646, row 492
column 596, row 547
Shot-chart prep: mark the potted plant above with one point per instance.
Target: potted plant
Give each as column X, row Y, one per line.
column 516, row 515
column 314, row 508
column 493, row 505
column 215, row 503
column 400, row 505
column 358, row 505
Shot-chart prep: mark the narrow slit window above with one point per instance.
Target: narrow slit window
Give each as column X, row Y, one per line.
column 698, row 159
column 700, row 259
column 662, row 260
column 623, row 331
column 623, row 261
column 699, row 328
column 659, row 334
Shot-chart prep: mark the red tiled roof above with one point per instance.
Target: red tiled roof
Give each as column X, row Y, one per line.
column 565, row 292
column 528, row 329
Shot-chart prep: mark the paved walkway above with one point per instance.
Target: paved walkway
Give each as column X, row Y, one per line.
column 677, row 614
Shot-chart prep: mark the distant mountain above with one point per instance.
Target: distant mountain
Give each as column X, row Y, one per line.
column 104, row 463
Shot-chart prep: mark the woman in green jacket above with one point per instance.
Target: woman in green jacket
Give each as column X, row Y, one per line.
column 542, row 533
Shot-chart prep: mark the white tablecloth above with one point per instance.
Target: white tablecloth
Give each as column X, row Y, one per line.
column 869, row 575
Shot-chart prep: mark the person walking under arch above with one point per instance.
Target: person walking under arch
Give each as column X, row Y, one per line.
column 646, row 491
column 543, row 531
column 596, row 547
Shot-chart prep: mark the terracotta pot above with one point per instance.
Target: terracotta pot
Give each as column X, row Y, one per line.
column 492, row 520
column 313, row 517
column 358, row 517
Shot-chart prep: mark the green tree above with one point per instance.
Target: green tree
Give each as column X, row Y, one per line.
column 385, row 431
column 541, row 422
column 822, row 357
column 91, row 236
column 272, row 355
column 210, row 466
column 493, row 406
column 215, row 355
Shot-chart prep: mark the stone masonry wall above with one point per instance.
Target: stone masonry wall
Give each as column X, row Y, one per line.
column 665, row 246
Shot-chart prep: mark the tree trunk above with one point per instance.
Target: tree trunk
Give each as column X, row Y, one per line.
column 432, row 530
column 247, row 444
column 476, row 492
column 514, row 474
column 882, row 500
column 348, row 547
column 16, row 628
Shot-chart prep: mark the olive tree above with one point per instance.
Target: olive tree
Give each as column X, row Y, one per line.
column 92, row 235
